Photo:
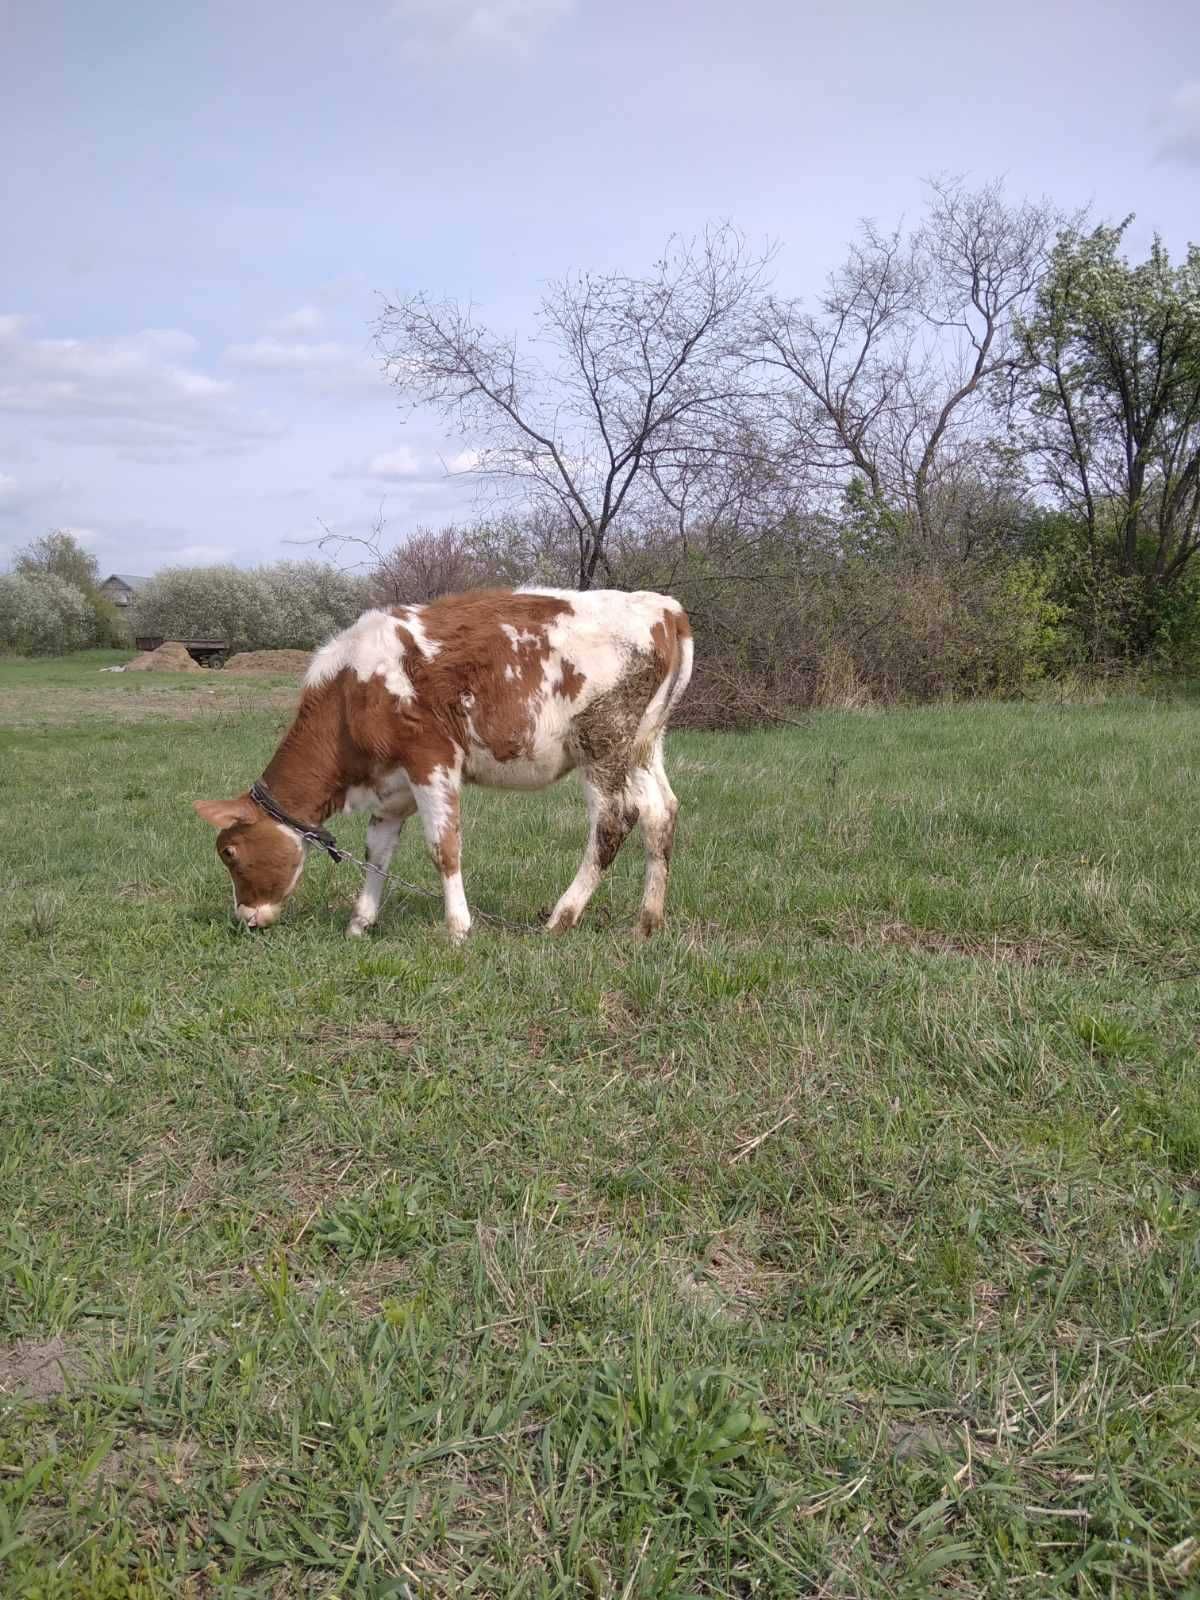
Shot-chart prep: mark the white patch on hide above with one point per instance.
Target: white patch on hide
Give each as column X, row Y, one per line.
column 412, row 620
column 371, row 648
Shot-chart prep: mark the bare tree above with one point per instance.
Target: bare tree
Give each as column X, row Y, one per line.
column 429, row 563
column 887, row 379
column 639, row 379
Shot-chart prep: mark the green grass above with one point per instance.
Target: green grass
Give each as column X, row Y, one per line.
column 842, row 1241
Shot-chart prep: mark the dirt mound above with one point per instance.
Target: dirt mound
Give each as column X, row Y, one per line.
column 281, row 661
column 169, row 657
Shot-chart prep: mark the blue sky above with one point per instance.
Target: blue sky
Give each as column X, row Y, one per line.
column 204, row 202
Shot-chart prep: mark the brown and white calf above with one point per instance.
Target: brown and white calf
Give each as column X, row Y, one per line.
column 507, row 688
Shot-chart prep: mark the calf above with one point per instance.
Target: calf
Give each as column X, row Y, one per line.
column 511, row 689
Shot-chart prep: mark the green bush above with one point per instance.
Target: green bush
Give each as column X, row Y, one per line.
column 287, row 605
column 41, row 614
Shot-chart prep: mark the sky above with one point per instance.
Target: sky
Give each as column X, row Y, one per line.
column 204, row 203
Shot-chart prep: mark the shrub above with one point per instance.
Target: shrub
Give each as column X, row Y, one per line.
column 856, row 633
column 110, row 628
column 288, row 605
column 47, row 619
column 41, row 614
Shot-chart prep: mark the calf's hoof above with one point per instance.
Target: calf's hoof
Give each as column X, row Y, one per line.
column 357, row 928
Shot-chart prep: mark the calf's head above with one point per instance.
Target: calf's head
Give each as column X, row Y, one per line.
column 264, row 858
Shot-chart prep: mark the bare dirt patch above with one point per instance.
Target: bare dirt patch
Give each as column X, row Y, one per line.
column 37, row 1370
column 727, row 1283
column 146, row 1464
column 283, row 662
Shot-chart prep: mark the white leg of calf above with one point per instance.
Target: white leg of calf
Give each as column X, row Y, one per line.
column 574, row 898
column 610, row 817
column 458, row 913
column 382, row 836
column 657, row 808
column 437, row 802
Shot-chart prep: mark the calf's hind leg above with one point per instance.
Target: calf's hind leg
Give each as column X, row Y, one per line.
column 657, row 810
column 611, row 815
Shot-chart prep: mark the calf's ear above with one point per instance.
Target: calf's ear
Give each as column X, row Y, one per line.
column 224, row 813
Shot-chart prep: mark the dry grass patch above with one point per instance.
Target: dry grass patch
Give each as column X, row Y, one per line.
column 341, row 1039
column 24, row 708
column 1031, row 952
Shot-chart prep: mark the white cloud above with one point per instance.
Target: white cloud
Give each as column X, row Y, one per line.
column 497, row 24
column 414, row 467
column 33, row 500
column 129, row 391
column 1180, row 139
column 287, row 355
column 304, row 320
column 201, row 555
column 402, row 462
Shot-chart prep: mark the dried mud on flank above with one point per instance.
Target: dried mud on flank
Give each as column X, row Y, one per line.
column 37, row 1370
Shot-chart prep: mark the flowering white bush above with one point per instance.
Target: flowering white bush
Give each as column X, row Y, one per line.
column 288, row 605
column 41, row 614
column 311, row 601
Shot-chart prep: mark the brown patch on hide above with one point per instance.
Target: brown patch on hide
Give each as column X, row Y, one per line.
column 447, row 852
column 400, row 733
column 662, row 641
column 481, row 672
column 570, row 681
column 667, row 636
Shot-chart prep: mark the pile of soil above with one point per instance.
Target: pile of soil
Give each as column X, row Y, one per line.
column 169, row 657
column 278, row 661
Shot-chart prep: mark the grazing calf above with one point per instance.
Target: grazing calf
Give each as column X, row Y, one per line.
column 507, row 688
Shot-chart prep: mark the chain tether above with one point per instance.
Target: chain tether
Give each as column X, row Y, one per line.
column 263, row 798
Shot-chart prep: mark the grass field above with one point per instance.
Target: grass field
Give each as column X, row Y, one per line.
column 843, row 1241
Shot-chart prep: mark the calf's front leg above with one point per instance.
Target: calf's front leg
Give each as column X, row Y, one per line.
column 437, row 803
column 382, row 836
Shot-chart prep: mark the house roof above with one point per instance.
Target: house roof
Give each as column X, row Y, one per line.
column 127, row 578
